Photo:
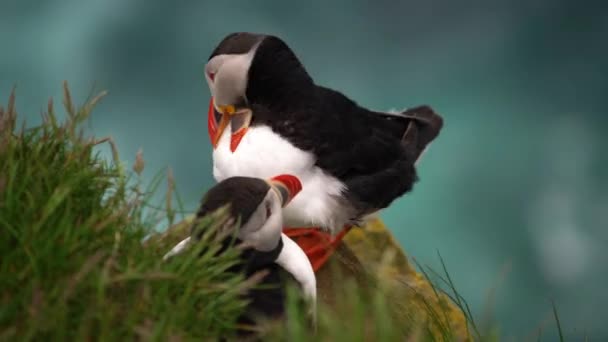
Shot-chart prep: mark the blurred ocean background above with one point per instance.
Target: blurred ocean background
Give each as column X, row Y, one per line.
column 514, row 192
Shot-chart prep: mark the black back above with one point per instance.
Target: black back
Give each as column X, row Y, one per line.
column 277, row 78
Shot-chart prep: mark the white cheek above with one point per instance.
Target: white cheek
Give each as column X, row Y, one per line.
column 231, row 77
column 270, row 233
column 254, row 224
column 261, row 232
column 212, row 67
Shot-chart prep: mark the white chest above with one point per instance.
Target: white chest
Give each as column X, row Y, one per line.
column 264, row 154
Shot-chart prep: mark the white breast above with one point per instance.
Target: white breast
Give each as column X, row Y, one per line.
column 264, row 154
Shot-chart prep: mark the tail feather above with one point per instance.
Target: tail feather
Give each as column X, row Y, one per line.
column 423, row 127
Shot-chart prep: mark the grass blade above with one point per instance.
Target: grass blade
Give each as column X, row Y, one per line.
column 559, row 326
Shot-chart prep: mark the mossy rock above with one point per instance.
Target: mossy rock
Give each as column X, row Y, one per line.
column 371, row 258
column 383, row 258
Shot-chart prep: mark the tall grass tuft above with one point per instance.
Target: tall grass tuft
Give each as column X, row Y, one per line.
column 73, row 265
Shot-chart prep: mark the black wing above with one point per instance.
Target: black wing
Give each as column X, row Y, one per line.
column 374, row 153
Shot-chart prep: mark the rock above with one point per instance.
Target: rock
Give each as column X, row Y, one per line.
column 381, row 255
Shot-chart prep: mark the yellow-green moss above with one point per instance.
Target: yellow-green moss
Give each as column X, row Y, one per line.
column 382, row 256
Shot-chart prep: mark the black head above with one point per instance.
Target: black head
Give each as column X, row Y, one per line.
column 250, row 68
column 243, row 194
column 237, row 43
column 255, row 203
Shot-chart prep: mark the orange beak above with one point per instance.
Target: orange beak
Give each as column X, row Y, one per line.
column 287, row 186
column 218, row 120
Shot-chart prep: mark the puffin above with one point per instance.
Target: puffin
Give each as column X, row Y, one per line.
column 268, row 116
column 257, row 204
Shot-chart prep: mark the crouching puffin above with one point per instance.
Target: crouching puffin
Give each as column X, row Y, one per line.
column 267, row 116
column 258, row 203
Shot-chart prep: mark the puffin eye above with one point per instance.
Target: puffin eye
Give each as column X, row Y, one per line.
column 211, row 75
column 268, row 211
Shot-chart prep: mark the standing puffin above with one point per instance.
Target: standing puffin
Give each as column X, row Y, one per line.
column 257, row 204
column 267, row 116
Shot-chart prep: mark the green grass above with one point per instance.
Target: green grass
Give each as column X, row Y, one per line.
column 559, row 326
column 74, row 264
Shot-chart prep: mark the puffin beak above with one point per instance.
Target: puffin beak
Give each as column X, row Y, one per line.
column 287, row 186
column 239, row 125
column 217, row 121
column 213, row 117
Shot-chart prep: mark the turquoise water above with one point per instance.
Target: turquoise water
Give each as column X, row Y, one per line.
column 516, row 181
